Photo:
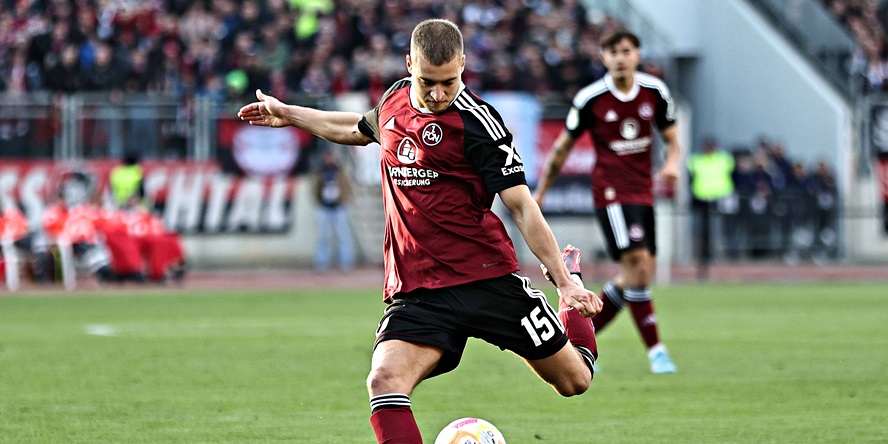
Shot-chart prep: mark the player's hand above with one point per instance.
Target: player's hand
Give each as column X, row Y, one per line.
column 584, row 301
column 668, row 174
column 268, row 111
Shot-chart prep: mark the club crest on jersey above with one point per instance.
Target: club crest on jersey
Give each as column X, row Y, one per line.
column 629, row 129
column 645, row 111
column 636, row 233
column 432, row 134
column 610, row 116
column 407, row 151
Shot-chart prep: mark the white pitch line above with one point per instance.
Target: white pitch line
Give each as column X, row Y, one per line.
column 100, row 330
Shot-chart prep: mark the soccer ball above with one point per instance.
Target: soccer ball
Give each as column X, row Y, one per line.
column 470, row 431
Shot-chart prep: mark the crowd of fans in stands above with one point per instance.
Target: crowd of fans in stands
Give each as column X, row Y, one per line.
column 317, row 47
column 867, row 20
column 780, row 206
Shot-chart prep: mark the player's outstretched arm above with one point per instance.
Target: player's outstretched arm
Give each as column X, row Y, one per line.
column 542, row 243
column 336, row 126
column 560, row 150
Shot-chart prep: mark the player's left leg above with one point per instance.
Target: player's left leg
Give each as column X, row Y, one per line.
column 637, row 269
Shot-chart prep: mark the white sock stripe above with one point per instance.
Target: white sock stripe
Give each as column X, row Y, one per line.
column 534, row 293
column 637, row 294
column 610, row 290
column 586, row 354
column 618, row 225
column 390, row 400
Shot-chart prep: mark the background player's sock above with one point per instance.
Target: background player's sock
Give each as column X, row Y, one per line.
column 642, row 308
column 392, row 420
column 612, row 299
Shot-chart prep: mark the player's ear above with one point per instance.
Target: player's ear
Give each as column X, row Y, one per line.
column 409, row 64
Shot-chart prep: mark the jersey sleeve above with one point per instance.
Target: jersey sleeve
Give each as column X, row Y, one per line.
column 577, row 121
column 369, row 124
column 665, row 114
column 489, row 146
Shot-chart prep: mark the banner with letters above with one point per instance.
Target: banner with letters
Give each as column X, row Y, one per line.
column 191, row 196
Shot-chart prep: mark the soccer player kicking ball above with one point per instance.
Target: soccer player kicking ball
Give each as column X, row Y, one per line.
column 450, row 266
column 620, row 112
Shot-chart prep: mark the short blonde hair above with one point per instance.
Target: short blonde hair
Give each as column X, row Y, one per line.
column 437, row 41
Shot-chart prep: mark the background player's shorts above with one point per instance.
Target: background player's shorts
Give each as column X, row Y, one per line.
column 627, row 227
column 503, row 311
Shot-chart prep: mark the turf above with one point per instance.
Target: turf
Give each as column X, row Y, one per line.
column 758, row 363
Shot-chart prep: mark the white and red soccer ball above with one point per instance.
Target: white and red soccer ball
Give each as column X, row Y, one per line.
column 470, row 431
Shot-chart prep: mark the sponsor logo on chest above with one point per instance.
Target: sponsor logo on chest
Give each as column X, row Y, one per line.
column 408, row 153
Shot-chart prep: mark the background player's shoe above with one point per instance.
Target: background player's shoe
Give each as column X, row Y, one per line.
column 660, row 360
column 571, row 258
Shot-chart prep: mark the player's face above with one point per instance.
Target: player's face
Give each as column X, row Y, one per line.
column 436, row 85
column 621, row 60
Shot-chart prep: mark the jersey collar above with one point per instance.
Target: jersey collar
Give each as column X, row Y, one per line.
column 623, row 97
column 415, row 103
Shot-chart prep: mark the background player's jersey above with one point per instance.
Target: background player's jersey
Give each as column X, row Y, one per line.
column 440, row 174
column 621, row 128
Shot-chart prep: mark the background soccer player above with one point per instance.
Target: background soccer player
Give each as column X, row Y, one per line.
column 450, row 267
column 620, row 112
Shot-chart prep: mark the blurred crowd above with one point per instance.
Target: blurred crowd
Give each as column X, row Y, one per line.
column 780, row 207
column 78, row 235
column 867, row 20
column 318, row 47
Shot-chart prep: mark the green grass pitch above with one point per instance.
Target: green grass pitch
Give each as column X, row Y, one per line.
column 793, row 363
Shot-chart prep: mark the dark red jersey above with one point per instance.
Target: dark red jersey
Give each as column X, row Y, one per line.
column 440, row 174
column 621, row 128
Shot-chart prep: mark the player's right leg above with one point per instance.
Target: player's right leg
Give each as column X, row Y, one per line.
column 397, row 368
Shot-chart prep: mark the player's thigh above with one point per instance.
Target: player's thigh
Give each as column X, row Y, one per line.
column 509, row 313
column 398, row 366
column 626, row 228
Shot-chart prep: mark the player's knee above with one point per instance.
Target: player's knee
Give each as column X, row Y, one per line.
column 636, row 266
column 383, row 380
column 573, row 387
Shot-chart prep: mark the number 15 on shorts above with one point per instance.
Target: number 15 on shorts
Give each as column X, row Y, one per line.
column 539, row 327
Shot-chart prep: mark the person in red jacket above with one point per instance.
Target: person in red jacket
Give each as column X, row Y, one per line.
column 72, row 221
column 160, row 249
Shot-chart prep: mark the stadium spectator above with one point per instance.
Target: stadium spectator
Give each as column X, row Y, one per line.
column 824, row 190
column 333, row 191
column 444, row 247
column 16, row 251
column 126, row 181
column 866, row 21
column 710, row 173
column 65, row 75
column 620, row 112
column 71, row 223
